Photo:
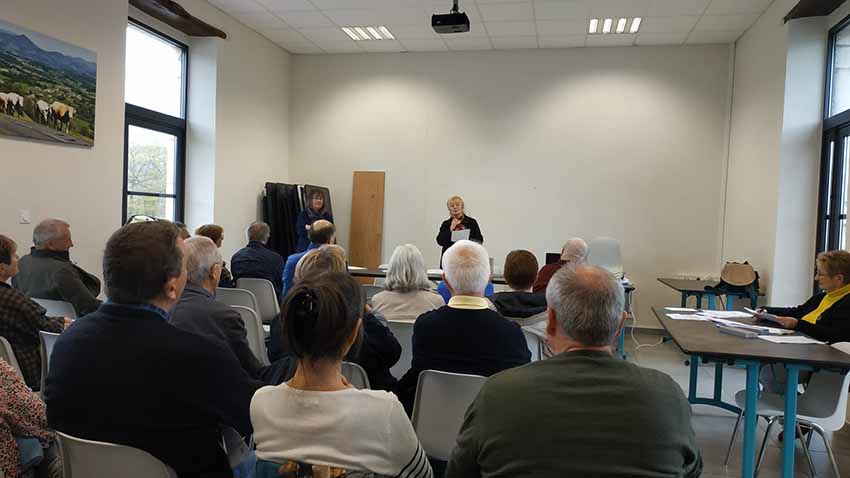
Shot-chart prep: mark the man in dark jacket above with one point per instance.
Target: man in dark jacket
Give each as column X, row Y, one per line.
column 125, row 375
column 520, row 302
column 48, row 273
column 256, row 260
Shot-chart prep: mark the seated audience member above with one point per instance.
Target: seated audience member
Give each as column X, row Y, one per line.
column 408, row 291
column 446, row 294
column 48, row 273
column 21, row 319
column 199, row 312
column 323, row 232
column 464, row 336
column 317, row 418
column 380, row 349
column 125, row 375
column 520, row 302
column 573, row 253
column 184, row 230
column 256, row 260
column 216, row 234
column 615, row 418
column 23, row 425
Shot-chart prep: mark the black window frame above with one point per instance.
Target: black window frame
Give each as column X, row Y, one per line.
column 154, row 120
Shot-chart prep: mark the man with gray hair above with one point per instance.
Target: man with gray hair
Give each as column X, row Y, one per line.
column 198, row 312
column 256, row 260
column 573, row 254
column 464, row 336
column 592, row 414
column 48, row 273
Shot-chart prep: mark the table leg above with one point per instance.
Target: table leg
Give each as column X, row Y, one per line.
column 718, row 380
column 692, row 386
column 684, row 299
column 750, row 419
column 730, row 302
column 790, row 421
column 711, row 301
column 699, row 301
column 621, row 341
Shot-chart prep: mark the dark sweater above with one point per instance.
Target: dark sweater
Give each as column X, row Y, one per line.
column 477, row 342
column 52, row 275
column 444, row 237
column 124, row 375
column 257, row 261
column 832, row 326
column 584, row 414
column 519, row 304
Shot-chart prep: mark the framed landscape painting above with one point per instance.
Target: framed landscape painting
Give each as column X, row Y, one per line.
column 47, row 88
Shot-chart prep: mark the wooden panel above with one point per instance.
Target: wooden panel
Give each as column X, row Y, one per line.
column 367, row 219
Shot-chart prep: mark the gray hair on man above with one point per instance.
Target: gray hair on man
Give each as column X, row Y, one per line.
column 407, row 271
column 258, row 231
column 466, row 266
column 201, row 257
column 48, row 230
column 574, row 250
column 588, row 304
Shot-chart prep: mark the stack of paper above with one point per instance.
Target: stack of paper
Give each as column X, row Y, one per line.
column 726, row 314
column 686, row 317
column 793, row 339
column 680, row 309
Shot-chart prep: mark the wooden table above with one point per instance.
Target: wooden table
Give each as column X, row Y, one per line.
column 704, row 342
column 381, row 273
column 695, row 287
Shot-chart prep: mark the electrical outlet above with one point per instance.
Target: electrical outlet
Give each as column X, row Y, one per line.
column 24, row 216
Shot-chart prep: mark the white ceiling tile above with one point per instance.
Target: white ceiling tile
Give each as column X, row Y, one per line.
column 424, row 45
column 303, row 48
column 568, row 41
column 721, row 7
column 619, row 8
column 669, row 8
column 468, row 44
column 698, row 37
column 442, row 7
column 510, row 29
column 559, row 9
column 326, row 43
column 327, row 34
column 260, row 21
column 661, row 38
column 561, row 28
column 403, row 16
column 513, row 43
column 381, row 46
column 239, row 6
column 610, row 40
column 726, row 23
column 351, row 17
column 305, row 19
column 412, row 32
column 496, row 12
column 331, row 4
column 341, row 47
column 284, row 35
column 668, row 24
column 287, row 5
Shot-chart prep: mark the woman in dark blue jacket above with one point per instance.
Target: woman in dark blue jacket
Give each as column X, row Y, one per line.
column 315, row 211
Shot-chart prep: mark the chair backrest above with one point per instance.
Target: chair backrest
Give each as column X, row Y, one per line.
column 604, row 252
column 255, row 332
column 440, row 405
column 57, row 308
column 89, row 459
column 533, row 342
column 355, row 375
column 7, row 354
column 371, row 290
column 242, row 297
column 403, row 332
column 48, row 340
column 825, row 400
column 267, row 305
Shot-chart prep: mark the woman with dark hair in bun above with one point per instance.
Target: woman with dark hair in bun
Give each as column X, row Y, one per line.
column 317, row 419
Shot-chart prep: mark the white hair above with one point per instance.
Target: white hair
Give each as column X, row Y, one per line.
column 48, row 230
column 575, row 250
column 467, row 267
column 588, row 304
column 407, row 271
column 201, row 256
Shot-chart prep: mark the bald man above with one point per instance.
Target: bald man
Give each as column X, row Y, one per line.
column 256, row 260
column 323, row 232
column 573, row 253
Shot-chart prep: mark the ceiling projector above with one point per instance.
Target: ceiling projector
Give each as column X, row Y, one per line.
column 453, row 22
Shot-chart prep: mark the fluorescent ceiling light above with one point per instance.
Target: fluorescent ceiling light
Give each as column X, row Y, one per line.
column 635, row 25
column 363, row 35
column 594, row 25
column 386, row 32
column 351, row 33
column 621, row 25
column 374, row 33
column 606, row 25
column 368, row 33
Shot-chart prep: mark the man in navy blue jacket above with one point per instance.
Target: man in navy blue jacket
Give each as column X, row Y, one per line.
column 125, row 375
column 256, row 260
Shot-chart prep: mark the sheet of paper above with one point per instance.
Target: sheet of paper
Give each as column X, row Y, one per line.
column 726, row 314
column 680, row 309
column 756, row 328
column 460, row 235
column 793, row 339
column 686, row 317
column 356, row 268
column 842, row 346
column 435, row 271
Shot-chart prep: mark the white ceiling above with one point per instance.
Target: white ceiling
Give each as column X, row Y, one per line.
column 313, row 26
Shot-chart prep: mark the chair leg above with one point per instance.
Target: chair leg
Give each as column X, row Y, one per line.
column 770, row 422
column 806, row 450
column 732, row 441
column 820, row 431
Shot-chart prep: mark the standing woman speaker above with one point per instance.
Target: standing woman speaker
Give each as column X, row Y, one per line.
column 458, row 221
column 316, row 208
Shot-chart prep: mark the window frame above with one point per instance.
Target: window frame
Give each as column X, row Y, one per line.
column 153, row 120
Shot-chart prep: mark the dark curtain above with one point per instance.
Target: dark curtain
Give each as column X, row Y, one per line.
column 280, row 211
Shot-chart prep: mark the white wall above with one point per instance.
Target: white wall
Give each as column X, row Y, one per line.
column 248, row 117
column 543, row 145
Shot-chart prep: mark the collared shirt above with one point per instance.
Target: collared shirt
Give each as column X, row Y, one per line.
column 468, row 302
column 828, row 300
column 148, row 307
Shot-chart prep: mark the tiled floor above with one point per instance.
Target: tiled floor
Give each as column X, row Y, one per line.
column 713, row 426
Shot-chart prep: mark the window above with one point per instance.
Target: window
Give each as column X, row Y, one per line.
column 155, row 124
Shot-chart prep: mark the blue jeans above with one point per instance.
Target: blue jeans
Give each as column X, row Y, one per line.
column 30, row 453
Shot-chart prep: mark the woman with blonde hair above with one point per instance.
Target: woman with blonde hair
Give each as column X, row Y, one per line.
column 408, row 291
column 457, row 221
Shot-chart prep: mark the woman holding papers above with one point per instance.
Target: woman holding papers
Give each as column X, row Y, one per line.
column 458, row 226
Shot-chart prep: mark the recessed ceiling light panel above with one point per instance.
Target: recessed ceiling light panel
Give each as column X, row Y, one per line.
column 612, row 25
column 378, row 32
